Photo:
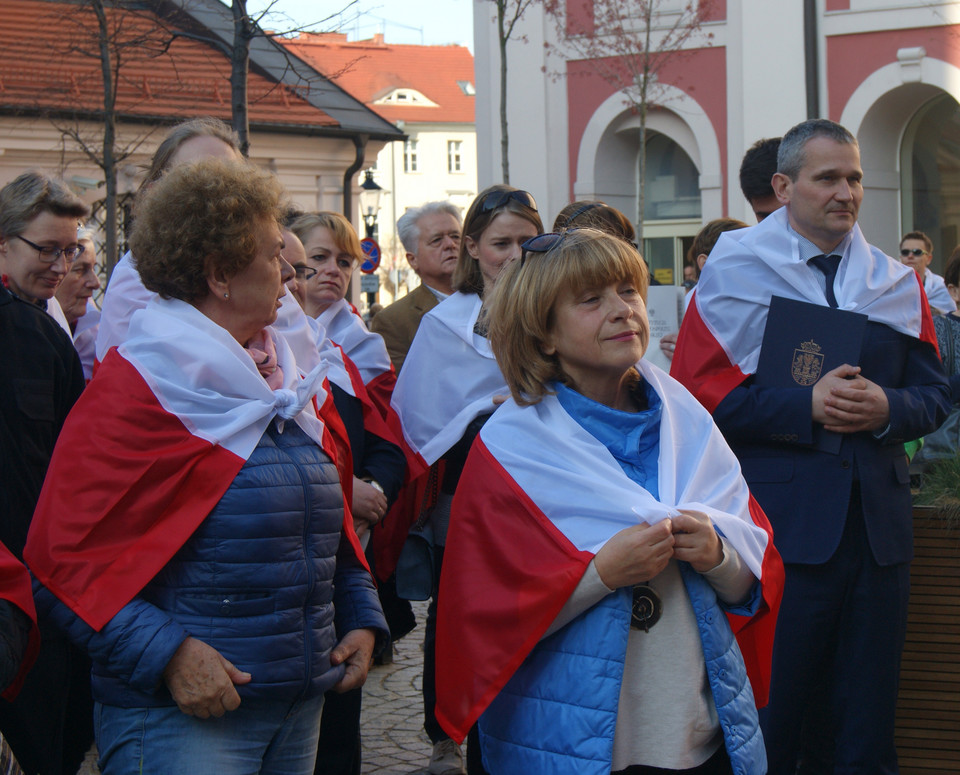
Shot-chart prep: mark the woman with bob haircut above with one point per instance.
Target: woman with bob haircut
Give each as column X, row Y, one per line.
column 450, row 384
column 206, row 565
column 607, row 523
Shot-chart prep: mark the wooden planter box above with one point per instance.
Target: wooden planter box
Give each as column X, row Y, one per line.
column 928, row 708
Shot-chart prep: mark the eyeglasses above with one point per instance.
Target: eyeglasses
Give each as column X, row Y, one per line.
column 542, row 243
column 304, row 272
column 497, row 199
column 916, row 252
column 50, row 255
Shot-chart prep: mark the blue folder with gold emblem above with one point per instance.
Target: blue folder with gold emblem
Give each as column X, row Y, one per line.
column 804, row 341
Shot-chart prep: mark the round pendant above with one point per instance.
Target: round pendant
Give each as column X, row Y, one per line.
column 647, row 608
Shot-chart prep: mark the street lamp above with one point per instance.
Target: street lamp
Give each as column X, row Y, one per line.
column 370, row 194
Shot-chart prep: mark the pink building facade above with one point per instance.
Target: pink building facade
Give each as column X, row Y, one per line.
column 889, row 70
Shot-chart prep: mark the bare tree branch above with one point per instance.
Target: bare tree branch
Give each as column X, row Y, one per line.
column 630, row 43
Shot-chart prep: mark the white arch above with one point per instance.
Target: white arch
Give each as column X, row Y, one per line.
column 932, row 72
column 878, row 113
column 699, row 142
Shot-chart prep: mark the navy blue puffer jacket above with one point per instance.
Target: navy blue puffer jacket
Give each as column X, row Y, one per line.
column 266, row 580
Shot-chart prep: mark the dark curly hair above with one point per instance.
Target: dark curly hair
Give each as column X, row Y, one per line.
column 200, row 219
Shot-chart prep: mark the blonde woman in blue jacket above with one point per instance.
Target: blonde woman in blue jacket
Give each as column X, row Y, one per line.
column 606, row 521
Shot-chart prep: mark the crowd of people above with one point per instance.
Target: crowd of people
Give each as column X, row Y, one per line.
column 213, row 484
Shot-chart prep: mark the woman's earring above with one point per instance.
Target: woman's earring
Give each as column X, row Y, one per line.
column 226, row 295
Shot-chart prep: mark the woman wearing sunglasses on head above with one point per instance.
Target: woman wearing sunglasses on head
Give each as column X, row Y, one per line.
column 616, row 532
column 451, row 383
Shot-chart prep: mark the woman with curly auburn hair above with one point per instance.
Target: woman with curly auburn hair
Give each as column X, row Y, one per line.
column 206, row 565
column 607, row 523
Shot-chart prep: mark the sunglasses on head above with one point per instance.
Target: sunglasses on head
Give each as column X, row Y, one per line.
column 542, row 243
column 917, row 252
column 497, row 199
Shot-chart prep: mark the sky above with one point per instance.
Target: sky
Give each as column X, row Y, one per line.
column 428, row 22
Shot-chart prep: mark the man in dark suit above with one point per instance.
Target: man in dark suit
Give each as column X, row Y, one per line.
column 431, row 236
column 824, row 460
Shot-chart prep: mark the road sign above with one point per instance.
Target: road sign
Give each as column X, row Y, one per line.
column 371, row 250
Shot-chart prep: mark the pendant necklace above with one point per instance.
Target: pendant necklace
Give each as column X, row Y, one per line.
column 647, row 607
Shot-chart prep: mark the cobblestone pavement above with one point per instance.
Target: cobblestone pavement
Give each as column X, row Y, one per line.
column 392, row 722
column 394, row 742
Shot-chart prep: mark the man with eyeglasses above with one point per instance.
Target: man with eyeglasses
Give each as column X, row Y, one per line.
column 916, row 251
column 40, row 380
column 431, row 238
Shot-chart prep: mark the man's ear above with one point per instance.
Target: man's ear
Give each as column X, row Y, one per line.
column 782, row 187
column 412, row 260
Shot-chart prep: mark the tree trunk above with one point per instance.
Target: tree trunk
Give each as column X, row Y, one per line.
column 642, row 165
column 239, row 70
column 110, row 220
column 504, row 137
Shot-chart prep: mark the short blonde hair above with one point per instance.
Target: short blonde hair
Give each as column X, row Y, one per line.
column 344, row 235
column 522, row 305
column 200, row 218
column 467, row 277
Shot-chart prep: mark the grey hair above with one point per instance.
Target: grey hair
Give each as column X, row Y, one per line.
column 86, row 233
column 32, row 193
column 408, row 226
column 791, row 156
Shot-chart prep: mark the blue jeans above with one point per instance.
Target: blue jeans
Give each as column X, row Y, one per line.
column 269, row 737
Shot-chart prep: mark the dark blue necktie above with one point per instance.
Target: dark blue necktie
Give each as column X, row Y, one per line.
column 828, row 265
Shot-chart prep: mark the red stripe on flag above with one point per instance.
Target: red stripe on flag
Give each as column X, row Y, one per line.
column 15, row 587
column 508, row 571
column 700, row 364
column 755, row 633
column 139, row 485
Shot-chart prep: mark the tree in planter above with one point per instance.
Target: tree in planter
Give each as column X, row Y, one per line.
column 628, row 43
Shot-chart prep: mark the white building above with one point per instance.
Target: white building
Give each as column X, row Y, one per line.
column 428, row 93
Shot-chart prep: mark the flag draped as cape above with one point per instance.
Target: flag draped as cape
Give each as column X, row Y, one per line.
column 538, row 498
column 719, row 342
column 149, row 449
column 449, row 378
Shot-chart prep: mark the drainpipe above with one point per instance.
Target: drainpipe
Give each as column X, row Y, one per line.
column 811, row 61
column 360, row 144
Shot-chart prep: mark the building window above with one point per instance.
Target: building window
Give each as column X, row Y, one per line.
column 410, row 156
column 453, row 155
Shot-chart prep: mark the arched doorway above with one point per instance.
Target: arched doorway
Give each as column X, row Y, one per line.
column 930, row 175
column 684, row 184
column 672, row 213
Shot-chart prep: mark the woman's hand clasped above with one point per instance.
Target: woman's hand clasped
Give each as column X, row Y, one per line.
column 636, row 554
column 202, row 681
column 696, row 541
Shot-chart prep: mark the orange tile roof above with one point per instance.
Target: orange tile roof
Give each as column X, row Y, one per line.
column 50, row 63
column 370, row 69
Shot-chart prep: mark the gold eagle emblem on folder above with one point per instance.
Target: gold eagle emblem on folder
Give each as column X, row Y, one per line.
column 807, row 363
